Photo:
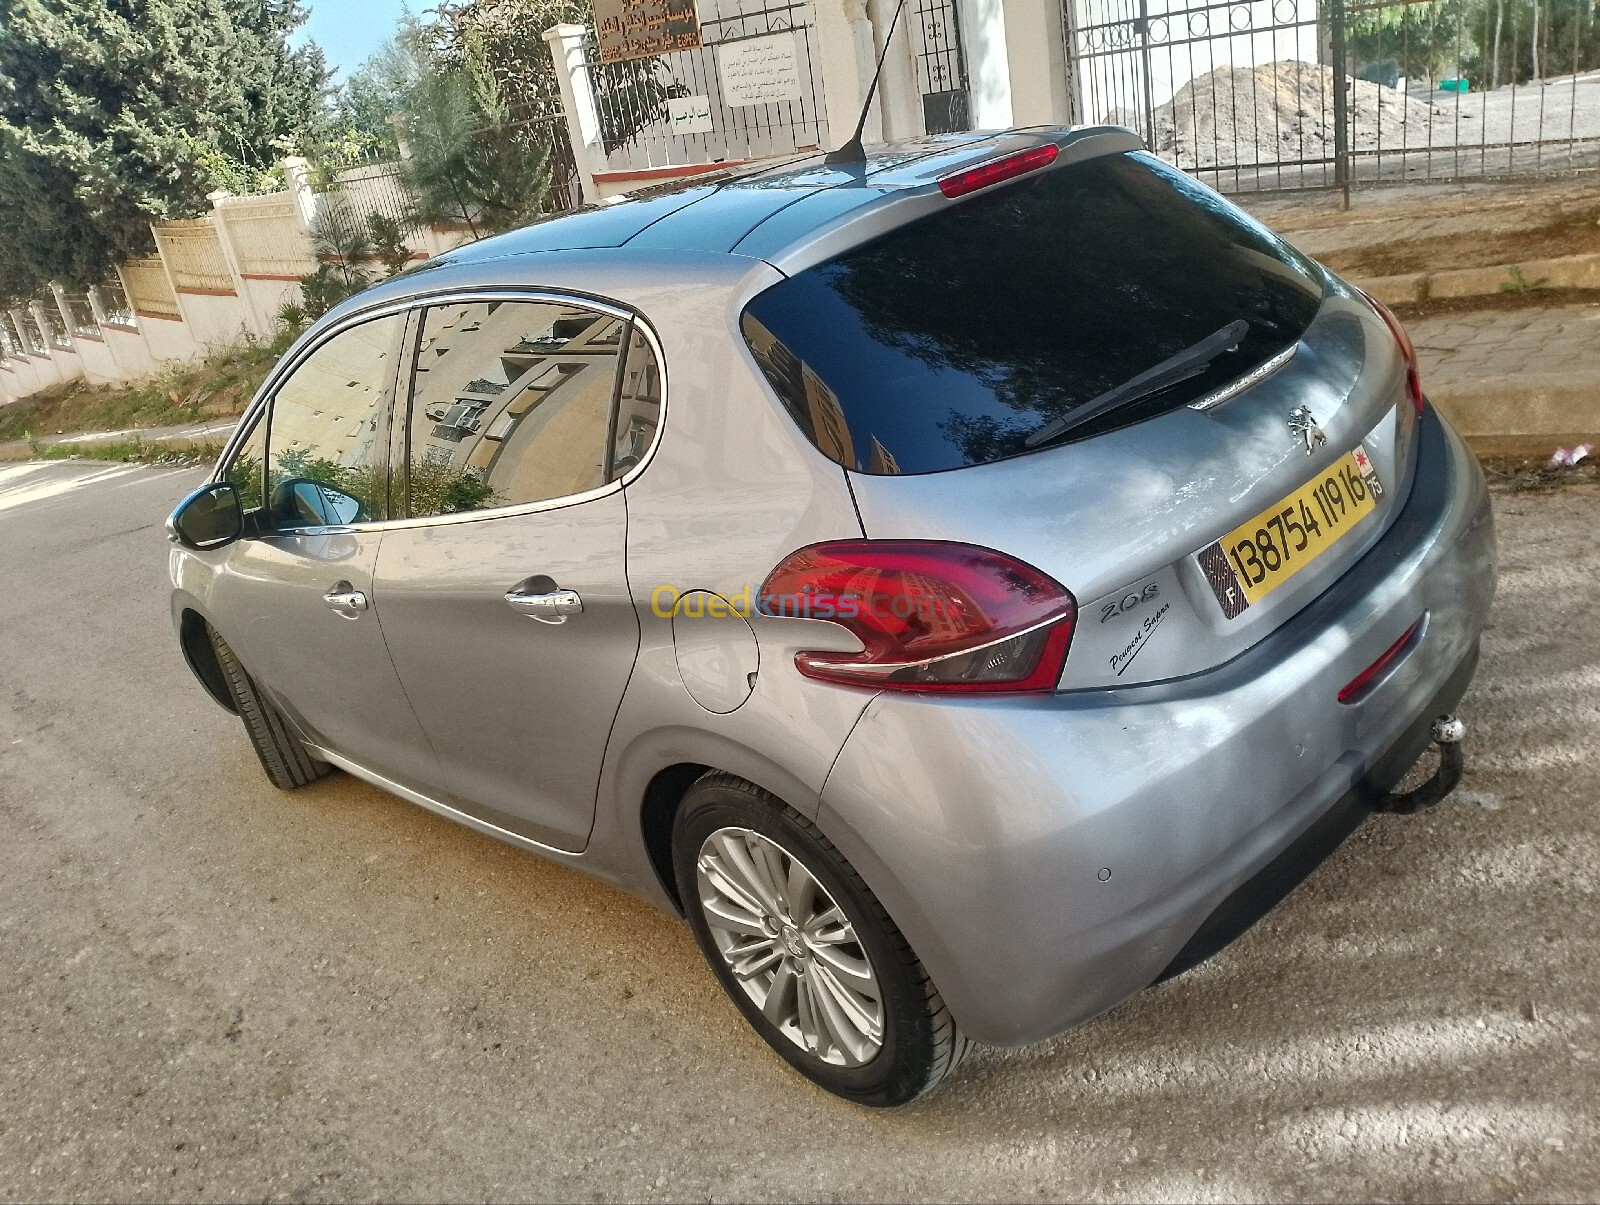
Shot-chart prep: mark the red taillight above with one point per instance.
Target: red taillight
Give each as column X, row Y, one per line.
column 1359, row 684
column 1413, row 381
column 932, row 616
column 971, row 180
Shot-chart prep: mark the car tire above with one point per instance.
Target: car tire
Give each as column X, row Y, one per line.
column 812, row 997
column 288, row 763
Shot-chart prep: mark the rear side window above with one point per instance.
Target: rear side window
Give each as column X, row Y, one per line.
column 512, row 404
column 949, row 341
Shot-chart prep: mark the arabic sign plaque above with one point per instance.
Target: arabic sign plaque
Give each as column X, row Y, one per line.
column 689, row 114
column 638, row 29
column 760, row 71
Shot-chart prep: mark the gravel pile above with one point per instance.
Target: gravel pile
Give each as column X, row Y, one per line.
column 1286, row 110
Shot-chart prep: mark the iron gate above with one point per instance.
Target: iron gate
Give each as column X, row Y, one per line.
column 941, row 67
column 746, row 131
column 1261, row 94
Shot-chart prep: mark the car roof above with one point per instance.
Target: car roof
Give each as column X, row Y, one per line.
column 756, row 212
column 777, row 214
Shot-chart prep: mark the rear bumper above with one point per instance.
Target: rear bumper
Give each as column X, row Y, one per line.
column 1048, row 856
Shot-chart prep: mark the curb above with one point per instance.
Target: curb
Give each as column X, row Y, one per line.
column 1523, row 408
column 1562, row 272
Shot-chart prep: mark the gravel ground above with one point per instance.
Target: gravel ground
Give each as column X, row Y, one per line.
column 216, row 991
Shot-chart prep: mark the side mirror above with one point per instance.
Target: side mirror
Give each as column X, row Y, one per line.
column 208, row 518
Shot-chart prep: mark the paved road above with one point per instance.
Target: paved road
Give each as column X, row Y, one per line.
column 213, row 990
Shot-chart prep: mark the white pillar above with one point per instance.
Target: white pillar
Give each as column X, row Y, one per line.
column 846, row 48
column 983, row 35
column 219, row 221
column 1036, row 63
column 899, row 94
column 297, row 175
column 578, row 104
column 402, row 140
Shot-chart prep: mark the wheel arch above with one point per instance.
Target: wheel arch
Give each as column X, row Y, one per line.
column 656, row 772
column 195, row 641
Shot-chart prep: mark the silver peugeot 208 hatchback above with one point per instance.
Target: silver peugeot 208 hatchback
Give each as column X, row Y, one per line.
column 968, row 585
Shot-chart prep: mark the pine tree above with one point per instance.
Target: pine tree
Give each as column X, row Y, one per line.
column 471, row 161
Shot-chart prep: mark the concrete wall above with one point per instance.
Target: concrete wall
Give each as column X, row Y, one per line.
column 169, row 339
column 215, row 319
column 213, row 282
column 99, row 364
column 132, row 351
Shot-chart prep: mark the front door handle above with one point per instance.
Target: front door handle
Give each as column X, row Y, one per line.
column 344, row 599
column 543, row 601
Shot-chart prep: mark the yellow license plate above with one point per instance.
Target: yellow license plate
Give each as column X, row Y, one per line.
column 1258, row 556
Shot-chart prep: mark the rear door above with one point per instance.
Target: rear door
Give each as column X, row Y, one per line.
column 504, row 596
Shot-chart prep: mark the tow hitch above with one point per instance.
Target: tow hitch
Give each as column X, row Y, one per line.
column 1447, row 733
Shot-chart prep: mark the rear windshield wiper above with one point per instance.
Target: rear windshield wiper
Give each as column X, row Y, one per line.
column 1189, row 362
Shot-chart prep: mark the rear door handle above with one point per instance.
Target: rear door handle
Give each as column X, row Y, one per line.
column 344, row 599
column 543, row 602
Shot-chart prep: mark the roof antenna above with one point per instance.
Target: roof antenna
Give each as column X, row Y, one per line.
column 853, row 151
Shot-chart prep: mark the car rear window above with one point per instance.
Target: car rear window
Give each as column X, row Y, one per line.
column 947, row 342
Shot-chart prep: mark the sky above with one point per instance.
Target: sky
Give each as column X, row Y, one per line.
column 350, row 30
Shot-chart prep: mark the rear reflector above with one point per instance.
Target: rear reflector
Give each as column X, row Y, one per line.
column 1362, row 682
column 971, row 180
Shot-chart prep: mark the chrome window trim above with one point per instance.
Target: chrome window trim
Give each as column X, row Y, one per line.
column 459, row 296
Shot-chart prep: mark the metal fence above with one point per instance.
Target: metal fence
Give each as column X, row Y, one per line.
column 266, row 235
column 1261, row 94
column 941, row 66
column 80, row 314
column 10, row 345
column 50, row 324
column 378, row 186
column 28, row 328
column 149, row 291
column 194, row 256
column 114, row 304
column 634, row 98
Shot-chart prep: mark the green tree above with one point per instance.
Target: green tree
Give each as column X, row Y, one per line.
column 117, row 113
column 1417, row 41
column 378, row 91
column 471, row 161
column 630, row 95
column 1564, row 40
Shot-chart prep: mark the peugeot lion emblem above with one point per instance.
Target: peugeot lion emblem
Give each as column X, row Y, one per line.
column 1304, row 424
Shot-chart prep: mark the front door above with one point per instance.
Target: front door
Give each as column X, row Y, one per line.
column 505, row 598
column 294, row 597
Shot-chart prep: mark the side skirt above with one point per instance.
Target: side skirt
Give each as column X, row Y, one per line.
column 467, row 819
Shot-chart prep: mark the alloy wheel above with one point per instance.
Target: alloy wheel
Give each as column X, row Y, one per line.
column 790, row 947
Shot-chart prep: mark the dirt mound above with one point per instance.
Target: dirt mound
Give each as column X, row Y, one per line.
column 1280, row 112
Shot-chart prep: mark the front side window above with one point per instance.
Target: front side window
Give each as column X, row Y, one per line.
column 246, row 472
column 327, row 437
column 511, row 404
